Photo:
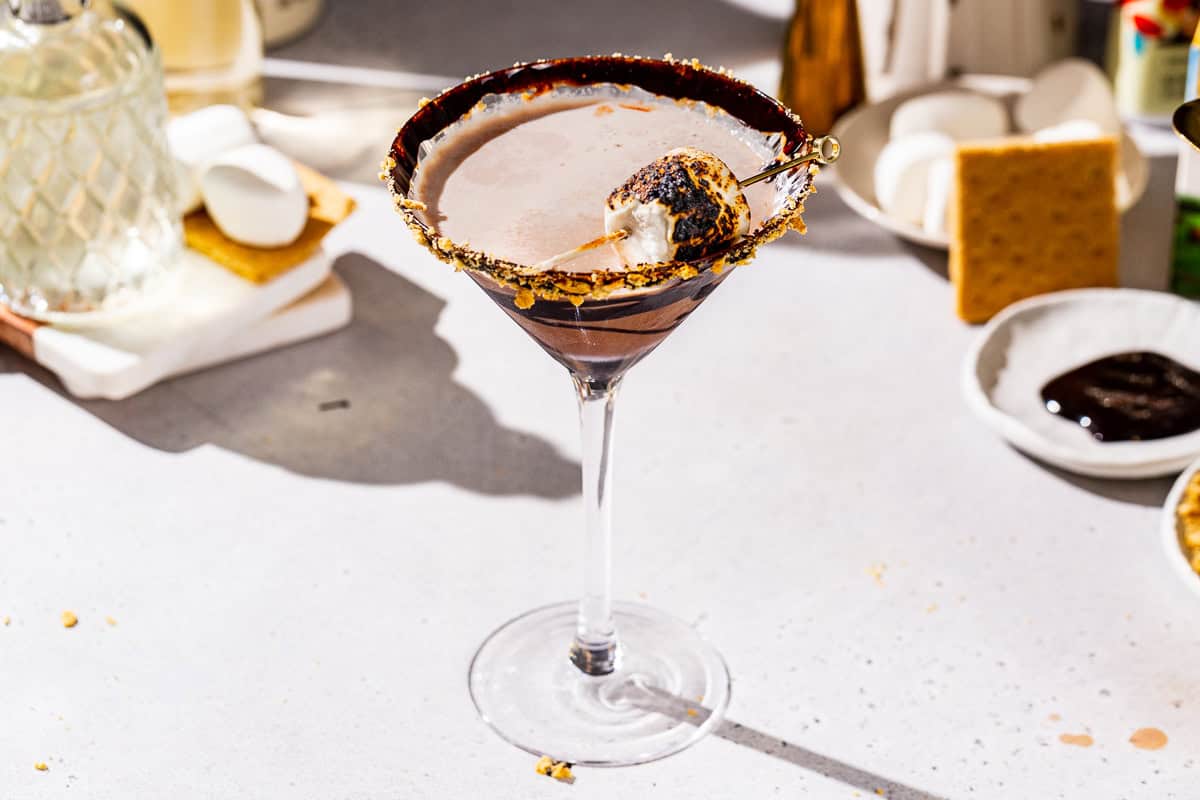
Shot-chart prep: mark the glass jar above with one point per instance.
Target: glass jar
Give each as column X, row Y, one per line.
column 87, row 185
column 212, row 50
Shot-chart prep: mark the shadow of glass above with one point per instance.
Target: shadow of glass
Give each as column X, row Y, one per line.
column 375, row 403
column 682, row 710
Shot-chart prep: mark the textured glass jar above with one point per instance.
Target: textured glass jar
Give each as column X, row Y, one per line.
column 87, row 186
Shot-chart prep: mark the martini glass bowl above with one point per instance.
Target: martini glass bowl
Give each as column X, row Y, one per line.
column 594, row 681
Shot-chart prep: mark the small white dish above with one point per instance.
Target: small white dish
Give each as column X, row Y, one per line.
column 1170, row 532
column 1035, row 340
column 864, row 132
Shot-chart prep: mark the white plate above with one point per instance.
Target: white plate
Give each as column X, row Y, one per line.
column 1170, row 532
column 1033, row 341
column 864, row 133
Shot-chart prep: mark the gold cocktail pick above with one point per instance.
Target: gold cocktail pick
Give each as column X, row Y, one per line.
column 824, row 150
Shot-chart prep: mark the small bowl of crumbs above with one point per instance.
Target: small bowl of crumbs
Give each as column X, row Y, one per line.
column 1181, row 527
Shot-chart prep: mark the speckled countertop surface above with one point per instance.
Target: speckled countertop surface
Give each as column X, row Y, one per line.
column 905, row 603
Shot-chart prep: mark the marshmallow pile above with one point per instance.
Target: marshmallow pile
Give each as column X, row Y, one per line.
column 251, row 191
column 681, row 207
column 914, row 174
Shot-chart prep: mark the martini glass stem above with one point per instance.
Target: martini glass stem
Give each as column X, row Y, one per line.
column 595, row 648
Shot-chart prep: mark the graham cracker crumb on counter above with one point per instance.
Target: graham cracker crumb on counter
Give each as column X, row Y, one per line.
column 112, row 622
column 1077, row 739
column 1148, row 739
column 7, row 621
column 69, row 620
column 559, row 770
column 691, row 712
column 876, row 572
column 41, row 766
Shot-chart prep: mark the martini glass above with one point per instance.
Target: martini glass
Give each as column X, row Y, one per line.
column 595, row 681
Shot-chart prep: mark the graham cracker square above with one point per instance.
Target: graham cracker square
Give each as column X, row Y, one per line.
column 1029, row 218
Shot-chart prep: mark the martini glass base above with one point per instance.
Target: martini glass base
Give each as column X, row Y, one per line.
column 669, row 690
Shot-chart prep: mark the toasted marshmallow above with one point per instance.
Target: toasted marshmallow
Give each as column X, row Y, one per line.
column 681, row 207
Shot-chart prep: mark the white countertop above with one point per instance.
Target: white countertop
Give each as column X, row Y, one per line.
column 903, row 600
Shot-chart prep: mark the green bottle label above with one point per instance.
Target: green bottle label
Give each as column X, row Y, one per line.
column 1185, row 260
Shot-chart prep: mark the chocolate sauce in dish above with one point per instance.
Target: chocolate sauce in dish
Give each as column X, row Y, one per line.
column 1126, row 397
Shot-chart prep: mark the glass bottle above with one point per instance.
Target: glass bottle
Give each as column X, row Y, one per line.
column 212, row 50
column 87, row 185
column 823, row 73
column 286, row 20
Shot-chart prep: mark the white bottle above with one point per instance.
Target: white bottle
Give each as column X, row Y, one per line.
column 904, row 43
column 1011, row 37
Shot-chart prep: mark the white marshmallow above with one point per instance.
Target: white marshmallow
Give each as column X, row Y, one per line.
column 937, row 196
column 959, row 115
column 902, row 174
column 196, row 138
column 1076, row 130
column 1072, row 89
column 255, row 197
column 649, row 226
